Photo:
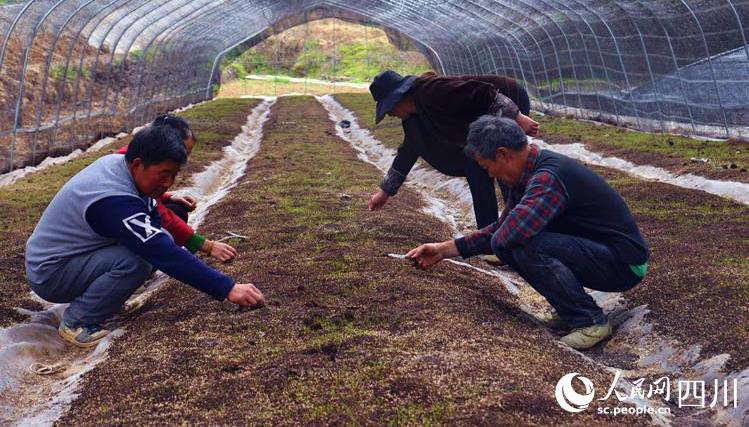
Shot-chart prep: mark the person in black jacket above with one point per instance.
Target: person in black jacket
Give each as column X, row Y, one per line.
column 436, row 112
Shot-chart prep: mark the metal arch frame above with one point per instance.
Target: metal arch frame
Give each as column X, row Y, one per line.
column 521, row 44
column 646, row 55
column 350, row 10
column 618, row 54
column 234, row 43
column 177, row 22
column 535, row 41
column 603, row 61
column 643, row 3
column 647, row 62
column 450, row 54
column 569, row 50
column 219, row 56
column 556, row 51
column 22, row 77
column 11, row 28
column 335, row 6
column 463, row 57
column 741, row 29
column 164, row 42
column 589, row 60
column 61, row 91
column 96, row 60
column 161, row 16
column 540, row 50
column 743, row 38
column 170, row 38
column 48, row 63
column 530, row 59
column 509, row 33
column 396, row 15
column 126, row 30
column 103, row 40
column 380, row 19
column 198, row 35
column 494, row 41
column 709, row 62
column 414, row 35
column 470, row 48
column 506, row 44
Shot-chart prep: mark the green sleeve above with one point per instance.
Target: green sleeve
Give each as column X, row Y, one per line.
column 639, row 270
column 194, row 242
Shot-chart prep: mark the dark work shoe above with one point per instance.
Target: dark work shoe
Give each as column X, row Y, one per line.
column 83, row 336
column 556, row 323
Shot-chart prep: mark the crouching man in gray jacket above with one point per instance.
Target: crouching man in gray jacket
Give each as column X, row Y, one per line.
column 100, row 238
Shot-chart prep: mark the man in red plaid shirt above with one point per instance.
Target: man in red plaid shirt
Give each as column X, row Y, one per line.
column 563, row 229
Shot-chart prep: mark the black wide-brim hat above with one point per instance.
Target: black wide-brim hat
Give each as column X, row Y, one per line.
column 387, row 89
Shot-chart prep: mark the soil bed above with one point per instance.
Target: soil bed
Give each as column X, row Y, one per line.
column 728, row 160
column 349, row 335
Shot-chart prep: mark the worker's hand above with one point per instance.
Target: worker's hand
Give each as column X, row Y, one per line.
column 187, row 201
column 429, row 254
column 246, row 295
column 529, row 126
column 377, row 200
column 222, row 251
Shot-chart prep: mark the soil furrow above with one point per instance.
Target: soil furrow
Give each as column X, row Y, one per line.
column 349, row 334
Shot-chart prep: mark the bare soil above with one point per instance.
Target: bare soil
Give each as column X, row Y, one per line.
column 349, row 335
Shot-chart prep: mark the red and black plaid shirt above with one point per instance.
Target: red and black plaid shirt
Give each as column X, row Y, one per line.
column 532, row 204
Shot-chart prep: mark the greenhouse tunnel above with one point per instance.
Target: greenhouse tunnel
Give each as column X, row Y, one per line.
column 291, row 161
column 666, row 65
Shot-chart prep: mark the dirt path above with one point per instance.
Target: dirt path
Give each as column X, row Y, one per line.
column 22, row 203
column 349, row 335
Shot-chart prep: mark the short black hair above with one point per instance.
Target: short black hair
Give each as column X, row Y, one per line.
column 177, row 122
column 489, row 133
column 155, row 144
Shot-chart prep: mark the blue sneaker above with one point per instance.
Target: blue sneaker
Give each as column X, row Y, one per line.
column 83, row 336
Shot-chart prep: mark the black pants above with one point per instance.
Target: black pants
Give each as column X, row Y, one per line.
column 480, row 183
column 179, row 209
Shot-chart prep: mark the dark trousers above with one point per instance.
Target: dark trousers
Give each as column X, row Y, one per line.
column 451, row 160
column 482, row 185
column 96, row 284
column 179, row 209
column 558, row 266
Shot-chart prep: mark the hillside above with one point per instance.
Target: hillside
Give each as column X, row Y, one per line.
column 328, row 49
